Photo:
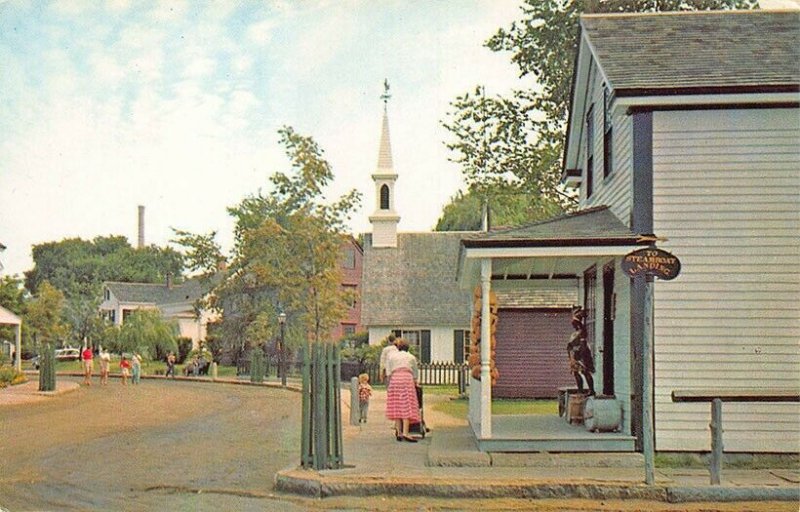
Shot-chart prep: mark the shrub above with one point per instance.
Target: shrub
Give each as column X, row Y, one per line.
column 10, row 377
column 184, row 349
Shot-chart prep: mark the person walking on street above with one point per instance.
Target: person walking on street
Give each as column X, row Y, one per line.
column 87, row 365
column 401, row 395
column 136, row 368
column 105, row 363
column 171, row 365
column 125, row 370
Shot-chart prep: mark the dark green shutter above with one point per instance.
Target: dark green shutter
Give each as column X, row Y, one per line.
column 425, row 348
column 458, row 346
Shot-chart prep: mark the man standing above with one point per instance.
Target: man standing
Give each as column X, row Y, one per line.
column 388, row 349
column 87, row 365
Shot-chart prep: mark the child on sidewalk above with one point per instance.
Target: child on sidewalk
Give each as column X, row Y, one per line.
column 364, row 393
column 125, row 369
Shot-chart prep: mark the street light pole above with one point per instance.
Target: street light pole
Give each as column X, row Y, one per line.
column 282, row 322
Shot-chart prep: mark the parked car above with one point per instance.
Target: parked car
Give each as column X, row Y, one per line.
column 62, row 354
column 67, row 354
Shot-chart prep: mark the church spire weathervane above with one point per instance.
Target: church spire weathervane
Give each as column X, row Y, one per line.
column 385, row 96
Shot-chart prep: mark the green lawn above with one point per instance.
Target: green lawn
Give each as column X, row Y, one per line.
column 458, row 407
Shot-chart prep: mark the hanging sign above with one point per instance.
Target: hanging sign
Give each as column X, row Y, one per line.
column 651, row 262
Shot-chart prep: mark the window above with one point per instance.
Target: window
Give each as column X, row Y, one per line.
column 460, row 345
column 107, row 294
column 589, row 152
column 349, row 259
column 348, row 329
column 589, row 287
column 608, row 139
column 419, row 343
column 384, row 197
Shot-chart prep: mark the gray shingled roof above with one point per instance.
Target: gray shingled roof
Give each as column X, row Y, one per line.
column 591, row 226
column 717, row 49
column 414, row 283
column 158, row 294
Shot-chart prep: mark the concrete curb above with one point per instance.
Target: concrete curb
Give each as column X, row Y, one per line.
column 209, row 380
column 312, row 483
column 718, row 494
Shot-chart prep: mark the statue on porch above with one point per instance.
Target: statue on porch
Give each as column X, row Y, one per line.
column 581, row 362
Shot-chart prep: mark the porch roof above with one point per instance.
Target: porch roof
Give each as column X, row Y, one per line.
column 8, row 318
column 592, row 226
column 557, row 247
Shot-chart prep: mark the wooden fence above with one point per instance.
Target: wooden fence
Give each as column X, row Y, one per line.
column 437, row 373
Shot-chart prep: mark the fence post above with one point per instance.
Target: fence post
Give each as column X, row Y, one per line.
column 320, row 447
column 305, row 442
column 335, row 426
column 716, row 441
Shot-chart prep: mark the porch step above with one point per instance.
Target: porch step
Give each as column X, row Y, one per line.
column 457, row 447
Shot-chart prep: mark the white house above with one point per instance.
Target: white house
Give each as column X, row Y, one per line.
column 686, row 125
column 176, row 302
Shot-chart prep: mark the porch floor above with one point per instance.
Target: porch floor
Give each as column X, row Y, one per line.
column 549, row 433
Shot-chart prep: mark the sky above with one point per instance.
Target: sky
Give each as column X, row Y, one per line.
column 176, row 106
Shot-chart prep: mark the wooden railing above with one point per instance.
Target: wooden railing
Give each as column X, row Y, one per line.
column 716, row 397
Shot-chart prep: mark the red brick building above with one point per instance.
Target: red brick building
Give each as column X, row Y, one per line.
column 352, row 263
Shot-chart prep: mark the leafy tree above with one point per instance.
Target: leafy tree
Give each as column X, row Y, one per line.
column 286, row 254
column 464, row 211
column 44, row 317
column 78, row 268
column 514, row 144
column 202, row 253
column 145, row 332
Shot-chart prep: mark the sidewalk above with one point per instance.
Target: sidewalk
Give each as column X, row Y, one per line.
column 447, row 463
column 29, row 391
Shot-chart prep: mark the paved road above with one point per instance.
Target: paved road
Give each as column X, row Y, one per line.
column 167, row 445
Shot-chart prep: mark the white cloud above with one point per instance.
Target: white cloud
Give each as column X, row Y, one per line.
column 260, row 33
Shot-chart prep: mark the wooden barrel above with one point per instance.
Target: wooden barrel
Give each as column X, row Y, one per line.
column 602, row 414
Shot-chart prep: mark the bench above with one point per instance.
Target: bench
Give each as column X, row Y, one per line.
column 716, row 397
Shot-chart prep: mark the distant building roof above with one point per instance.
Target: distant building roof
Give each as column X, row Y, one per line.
column 415, row 282
column 592, row 226
column 159, row 293
column 651, row 54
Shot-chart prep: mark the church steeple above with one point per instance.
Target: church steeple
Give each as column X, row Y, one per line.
column 384, row 221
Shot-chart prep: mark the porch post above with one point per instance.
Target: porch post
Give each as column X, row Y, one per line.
column 18, row 353
column 486, row 350
column 648, row 444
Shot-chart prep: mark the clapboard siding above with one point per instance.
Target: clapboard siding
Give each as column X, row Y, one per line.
column 613, row 190
column 726, row 193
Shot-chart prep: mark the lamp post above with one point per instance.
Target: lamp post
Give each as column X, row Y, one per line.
column 282, row 322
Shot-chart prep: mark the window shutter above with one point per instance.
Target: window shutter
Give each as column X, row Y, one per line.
column 425, row 347
column 458, row 346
